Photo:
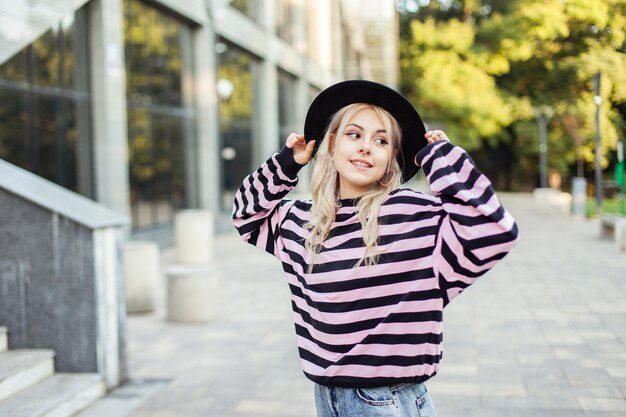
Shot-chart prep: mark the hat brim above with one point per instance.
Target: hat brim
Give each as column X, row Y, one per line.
column 339, row 95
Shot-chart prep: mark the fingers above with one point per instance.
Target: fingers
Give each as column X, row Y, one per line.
column 293, row 139
column 309, row 148
column 302, row 151
column 433, row 136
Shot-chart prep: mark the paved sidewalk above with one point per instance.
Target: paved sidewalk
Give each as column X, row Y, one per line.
column 542, row 334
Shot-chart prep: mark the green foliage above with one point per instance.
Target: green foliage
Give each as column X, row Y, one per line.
column 479, row 68
column 452, row 87
column 613, row 205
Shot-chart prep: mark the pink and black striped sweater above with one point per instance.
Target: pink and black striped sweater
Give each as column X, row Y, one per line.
column 378, row 325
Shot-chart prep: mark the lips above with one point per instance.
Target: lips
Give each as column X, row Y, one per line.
column 360, row 163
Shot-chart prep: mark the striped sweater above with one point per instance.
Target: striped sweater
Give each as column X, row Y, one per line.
column 381, row 324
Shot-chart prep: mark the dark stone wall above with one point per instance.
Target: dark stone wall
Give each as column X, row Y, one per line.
column 47, row 285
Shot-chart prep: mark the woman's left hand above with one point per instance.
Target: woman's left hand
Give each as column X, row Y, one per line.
column 433, row 136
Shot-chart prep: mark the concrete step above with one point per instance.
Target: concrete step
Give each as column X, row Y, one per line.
column 61, row 395
column 122, row 401
column 22, row 368
column 4, row 341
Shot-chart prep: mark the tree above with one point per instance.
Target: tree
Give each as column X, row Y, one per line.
column 479, row 68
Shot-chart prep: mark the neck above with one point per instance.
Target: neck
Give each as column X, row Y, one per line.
column 351, row 194
column 352, row 191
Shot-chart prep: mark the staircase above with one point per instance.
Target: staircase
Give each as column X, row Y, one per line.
column 30, row 388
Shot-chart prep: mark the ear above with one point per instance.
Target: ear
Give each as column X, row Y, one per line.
column 331, row 144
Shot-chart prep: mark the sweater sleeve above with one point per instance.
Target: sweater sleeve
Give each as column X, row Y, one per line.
column 475, row 231
column 259, row 206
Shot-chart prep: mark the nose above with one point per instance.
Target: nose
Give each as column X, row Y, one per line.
column 365, row 146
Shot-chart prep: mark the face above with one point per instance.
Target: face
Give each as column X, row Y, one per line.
column 362, row 153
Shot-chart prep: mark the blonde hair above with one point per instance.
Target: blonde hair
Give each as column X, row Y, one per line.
column 325, row 186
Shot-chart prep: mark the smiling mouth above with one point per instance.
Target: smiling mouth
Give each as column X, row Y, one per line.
column 361, row 164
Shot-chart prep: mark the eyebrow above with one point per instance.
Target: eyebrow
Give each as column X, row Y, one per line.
column 355, row 125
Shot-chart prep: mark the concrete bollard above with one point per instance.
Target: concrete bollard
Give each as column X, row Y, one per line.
column 560, row 203
column 541, row 196
column 191, row 293
column 142, row 275
column 194, row 237
column 579, row 197
column 549, row 200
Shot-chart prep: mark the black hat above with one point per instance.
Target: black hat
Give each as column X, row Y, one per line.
column 337, row 96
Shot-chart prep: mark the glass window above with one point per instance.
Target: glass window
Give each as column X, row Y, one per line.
column 324, row 35
column 247, row 7
column 287, row 93
column 236, row 87
column 287, row 19
column 314, row 32
column 160, row 114
column 45, row 109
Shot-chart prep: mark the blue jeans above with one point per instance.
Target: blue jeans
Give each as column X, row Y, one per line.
column 402, row 400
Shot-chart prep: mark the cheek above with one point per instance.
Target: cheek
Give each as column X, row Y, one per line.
column 385, row 160
column 344, row 149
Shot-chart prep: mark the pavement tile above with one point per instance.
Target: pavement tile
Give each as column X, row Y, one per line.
column 260, row 407
column 595, row 413
column 504, row 390
column 174, row 412
column 531, row 403
column 617, row 372
column 531, row 359
column 461, row 389
column 587, row 378
column 463, row 369
column 501, row 379
column 547, row 381
column 603, row 404
column 454, row 401
column 572, row 352
column 499, row 412
column 562, row 391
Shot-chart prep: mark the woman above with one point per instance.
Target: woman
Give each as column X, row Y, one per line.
column 371, row 265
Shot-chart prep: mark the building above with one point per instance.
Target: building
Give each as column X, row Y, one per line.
column 150, row 107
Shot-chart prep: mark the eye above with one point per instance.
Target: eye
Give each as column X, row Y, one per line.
column 381, row 141
column 354, row 135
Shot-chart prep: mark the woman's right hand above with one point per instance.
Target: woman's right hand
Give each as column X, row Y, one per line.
column 302, row 151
